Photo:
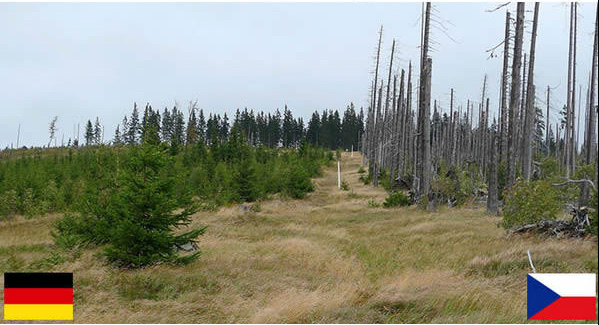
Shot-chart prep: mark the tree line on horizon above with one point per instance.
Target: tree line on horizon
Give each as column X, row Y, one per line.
column 327, row 129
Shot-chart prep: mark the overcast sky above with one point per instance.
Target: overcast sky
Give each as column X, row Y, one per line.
column 82, row 60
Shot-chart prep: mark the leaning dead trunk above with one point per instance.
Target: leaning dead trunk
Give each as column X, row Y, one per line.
column 373, row 134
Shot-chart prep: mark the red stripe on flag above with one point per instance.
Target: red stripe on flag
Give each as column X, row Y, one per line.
column 569, row 308
column 38, row 296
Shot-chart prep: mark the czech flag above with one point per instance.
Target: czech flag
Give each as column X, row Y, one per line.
column 38, row 296
column 561, row 296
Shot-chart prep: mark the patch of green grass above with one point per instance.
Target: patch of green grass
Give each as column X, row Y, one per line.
column 396, row 199
column 372, row 203
column 590, row 265
column 12, row 263
column 344, row 186
column 24, row 248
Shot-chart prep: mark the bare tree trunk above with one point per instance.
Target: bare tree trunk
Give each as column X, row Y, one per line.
column 426, row 126
column 591, row 136
column 521, row 114
column 557, row 146
column 578, row 118
column 590, row 146
column 378, row 128
column 547, row 144
column 424, row 157
column 569, row 107
column 504, row 89
column 485, row 141
column 492, row 198
column 394, row 131
column 530, row 109
column 515, row 97
column 408, row 122
column 452, row 132
column 386, row 115
column 397, row 158
column 373, row 104
column 573, row 147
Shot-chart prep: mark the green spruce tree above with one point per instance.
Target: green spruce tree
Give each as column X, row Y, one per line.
column 142, row 208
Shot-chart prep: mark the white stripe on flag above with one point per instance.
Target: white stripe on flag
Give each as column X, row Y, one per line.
column 569, row 284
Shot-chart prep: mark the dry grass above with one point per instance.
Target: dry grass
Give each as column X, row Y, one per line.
column 328, row 258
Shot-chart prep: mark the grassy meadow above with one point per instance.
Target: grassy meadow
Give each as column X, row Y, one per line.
column 332, row 257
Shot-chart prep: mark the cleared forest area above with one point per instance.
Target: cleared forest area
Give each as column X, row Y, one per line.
column 336, row 256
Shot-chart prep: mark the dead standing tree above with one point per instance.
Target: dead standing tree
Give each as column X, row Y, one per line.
column 424, row 106
column 590, row 137
column 492, row 197
column 515, row 97
column 530, row 110
column 504, row 90
column 569, row 108
column 373, row 101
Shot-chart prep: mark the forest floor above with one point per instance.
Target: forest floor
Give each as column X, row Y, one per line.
column 331, row 257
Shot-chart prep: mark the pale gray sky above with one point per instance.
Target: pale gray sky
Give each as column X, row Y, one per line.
column 82, row 60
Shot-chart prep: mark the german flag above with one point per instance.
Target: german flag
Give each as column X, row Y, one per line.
column 38, row 296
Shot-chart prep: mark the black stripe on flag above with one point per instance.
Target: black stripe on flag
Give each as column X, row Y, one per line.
column 38, row 280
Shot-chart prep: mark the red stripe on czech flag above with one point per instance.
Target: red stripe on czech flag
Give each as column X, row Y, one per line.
column 571, row 308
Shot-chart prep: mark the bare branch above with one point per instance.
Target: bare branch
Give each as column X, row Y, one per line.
column 577, row 181
column 498, row 7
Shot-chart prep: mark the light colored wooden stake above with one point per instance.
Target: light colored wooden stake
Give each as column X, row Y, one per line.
column 338, row 175
column 530, row 260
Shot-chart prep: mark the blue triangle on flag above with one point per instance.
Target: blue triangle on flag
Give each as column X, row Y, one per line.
column 538, row 296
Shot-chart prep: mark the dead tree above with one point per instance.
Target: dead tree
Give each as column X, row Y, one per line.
column 424, row 106
column 515, row 97
column 492, row 197
column 569, row 108
column 373, row 104
column 520, row 147
column 393, row 134
column 573, row 147
column 547, row 123
column 590, row 145
column 407, row 137
column 378, row 136
column 504, row 89
column 529, row 107
column 384, row 129
column 398, row 130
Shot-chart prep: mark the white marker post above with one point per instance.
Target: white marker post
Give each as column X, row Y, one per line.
column 338, row 175
column 352, row 150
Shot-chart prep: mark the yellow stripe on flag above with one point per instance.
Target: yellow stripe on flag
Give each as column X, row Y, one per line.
column 38, row 312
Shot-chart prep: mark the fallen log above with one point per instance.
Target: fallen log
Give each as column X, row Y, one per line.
column 575, row 227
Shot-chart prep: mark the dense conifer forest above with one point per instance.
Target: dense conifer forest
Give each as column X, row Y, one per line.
column 211, row 156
